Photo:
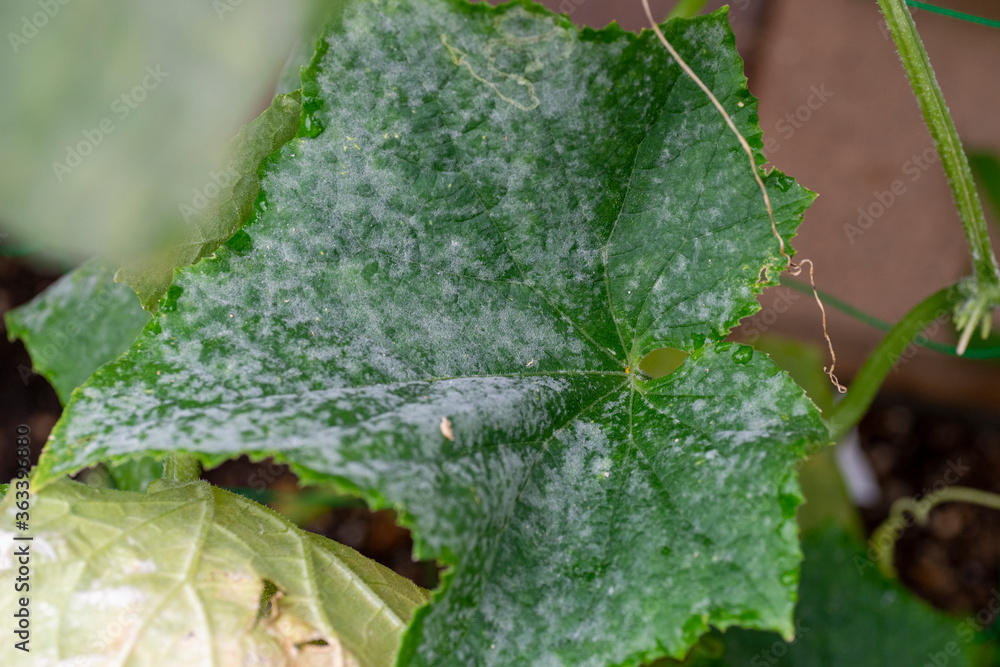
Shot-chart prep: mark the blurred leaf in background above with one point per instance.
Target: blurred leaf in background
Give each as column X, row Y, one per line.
column 116, row 114
column 847, row 615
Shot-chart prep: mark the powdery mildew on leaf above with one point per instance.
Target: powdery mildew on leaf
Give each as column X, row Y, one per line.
column 177, row 576
column 446, row 249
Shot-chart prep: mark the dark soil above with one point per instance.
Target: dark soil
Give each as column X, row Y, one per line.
column 26, row 398
column 915, row 449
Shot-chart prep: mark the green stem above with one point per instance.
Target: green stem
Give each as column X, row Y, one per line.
column 949, row 147
column 848, row 412
column 180, row 467
column 686, row 9
column 885, row 536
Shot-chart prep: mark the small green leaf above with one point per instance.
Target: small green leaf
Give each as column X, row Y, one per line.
column 849, row 614
column 200, row 575
column 212, row 220
column 686, row 9
column 78, row 324
column 490, row 219
column 82, row 321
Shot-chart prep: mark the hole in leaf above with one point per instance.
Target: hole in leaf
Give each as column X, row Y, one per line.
column 266, row 599
column 312, row 642
column 663, row 361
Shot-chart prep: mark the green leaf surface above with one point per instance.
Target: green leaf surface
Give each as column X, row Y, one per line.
column 223, row 207
column 128, row 578
column 78, row 324
column 441, row 306
column 847, row 616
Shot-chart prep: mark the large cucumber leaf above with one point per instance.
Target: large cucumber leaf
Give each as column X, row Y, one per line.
column 189, row 574
column 846, row 616
column 442, row 303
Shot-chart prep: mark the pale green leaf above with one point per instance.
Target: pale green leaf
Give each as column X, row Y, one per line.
column 116, row 114
column 179, row 576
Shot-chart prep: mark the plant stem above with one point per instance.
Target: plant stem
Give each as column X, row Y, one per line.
column 848, row 412
column 949, row 147
column 180, row 467
column 890, row 529
column 686, row 9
